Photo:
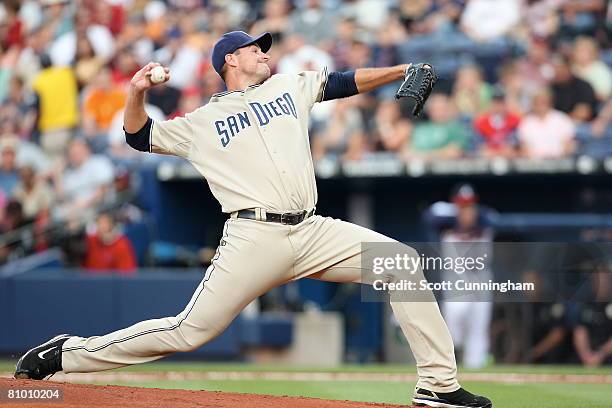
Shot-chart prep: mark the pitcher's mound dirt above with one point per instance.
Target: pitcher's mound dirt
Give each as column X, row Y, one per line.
column 97, row 396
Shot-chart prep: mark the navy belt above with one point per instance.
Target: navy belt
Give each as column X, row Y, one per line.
column 288, row 218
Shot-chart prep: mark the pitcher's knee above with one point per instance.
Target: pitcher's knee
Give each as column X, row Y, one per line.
column 406, row 266
column 192, row 338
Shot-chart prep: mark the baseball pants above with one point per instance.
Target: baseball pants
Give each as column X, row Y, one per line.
column 252, row 258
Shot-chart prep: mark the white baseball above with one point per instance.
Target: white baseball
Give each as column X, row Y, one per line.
column 158, row 74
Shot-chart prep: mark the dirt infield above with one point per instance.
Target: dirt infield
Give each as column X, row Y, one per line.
column 97, row 396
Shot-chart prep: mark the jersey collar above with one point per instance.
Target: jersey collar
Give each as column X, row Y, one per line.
column 216, row 95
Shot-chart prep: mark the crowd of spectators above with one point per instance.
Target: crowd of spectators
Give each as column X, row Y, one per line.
column 65, row 66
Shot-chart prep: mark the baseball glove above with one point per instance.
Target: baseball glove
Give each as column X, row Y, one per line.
column 419, row 80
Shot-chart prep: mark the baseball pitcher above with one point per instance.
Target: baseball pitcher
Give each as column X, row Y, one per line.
column 251, row 145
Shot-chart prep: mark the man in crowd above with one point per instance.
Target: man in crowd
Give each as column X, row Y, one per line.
column 497, row 127
column 56, row 90
column 442, row 136
column 84, row 183
column 546, row 132
column 9, row 175
column 571, row 94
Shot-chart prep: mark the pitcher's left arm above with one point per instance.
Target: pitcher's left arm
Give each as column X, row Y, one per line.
column 418, row 82
column 349, row 83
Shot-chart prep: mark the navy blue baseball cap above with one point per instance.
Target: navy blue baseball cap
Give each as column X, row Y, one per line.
column 230, row 42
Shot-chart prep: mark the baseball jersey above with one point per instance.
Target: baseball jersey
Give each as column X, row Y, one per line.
column 252, row 145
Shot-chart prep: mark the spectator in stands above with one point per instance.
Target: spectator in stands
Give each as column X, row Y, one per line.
column 485, row 20
column 371, row 15
column 8, row 122
column 428, row 16
column 518, row 94
column 441, row 137
column 390, row 129
column 546, row 132
column 12, row 30
column 360, row 55
column 300, row 56
column 9, row 175
column 181, row 56
column 27, row 153
column 572, row 95
column 588, row 66
column 56, row 89
column 313, row 23
column 135, row 34
column 602, row 125
column 579, row 17
column 87, row 64
column 108, row 249
column 384, row 50
column 59, row 16
column 497, row 128
column 346, row 31
column 471, row 93
column 33, row 193
column 275, row 19
column 541, row 18
column 102, row 101
column 8, row 60
column 535, row 69
column 343, row 134
column 20, row 106
column 219, row 21
column 84, row 183
column 156, row 20
column 124, row 66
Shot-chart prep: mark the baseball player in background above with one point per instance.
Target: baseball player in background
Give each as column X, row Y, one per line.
column 251, row 144
column 469, row 320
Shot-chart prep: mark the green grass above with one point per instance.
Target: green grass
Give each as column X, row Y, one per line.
column 9, row 365
column 538, row 395
column 360, row 368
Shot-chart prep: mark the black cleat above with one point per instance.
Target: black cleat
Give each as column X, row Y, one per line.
column 456, row 399
column 43, row 360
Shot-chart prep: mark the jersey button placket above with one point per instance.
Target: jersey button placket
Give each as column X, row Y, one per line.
column 273, row 151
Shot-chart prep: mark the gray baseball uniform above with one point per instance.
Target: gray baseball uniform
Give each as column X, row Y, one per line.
column 252, row 147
